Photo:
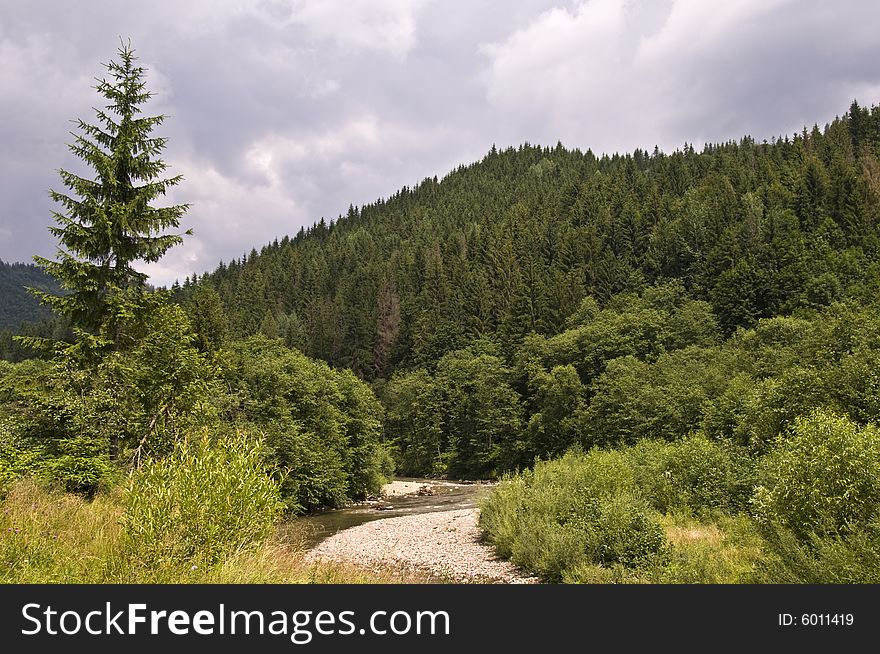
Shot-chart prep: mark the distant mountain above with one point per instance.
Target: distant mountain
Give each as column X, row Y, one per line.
column 17, row 306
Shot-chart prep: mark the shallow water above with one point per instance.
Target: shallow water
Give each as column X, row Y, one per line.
column 446, row 496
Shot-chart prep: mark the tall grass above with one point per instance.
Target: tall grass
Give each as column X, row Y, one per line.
column 207, row 513
column 206, row 501
column 826, row 558
column 47, row 536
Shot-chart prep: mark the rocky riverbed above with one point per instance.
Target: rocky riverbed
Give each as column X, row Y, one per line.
column 398, row 488
column 444, row 544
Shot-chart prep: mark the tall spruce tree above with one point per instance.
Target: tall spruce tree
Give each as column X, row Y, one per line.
column 108, row 222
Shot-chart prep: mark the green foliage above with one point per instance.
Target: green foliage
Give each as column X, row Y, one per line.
column 693, row 474
column 31, row 340
column 414, row 423
column 481, row 412
column 18, row 305
column 46, row 432
column 559, row 397
column 107, row 223
column 660, row 319
column 634, row 400
column 818, row 504
column 594, row 518
column 366, row 457
column 581, row 509
column 16, row 460
column 323, row 427
column 67, row 413
column 162, row 385
column 205, row 501
column 209, row 323
column 141, row 398
column 822, row 478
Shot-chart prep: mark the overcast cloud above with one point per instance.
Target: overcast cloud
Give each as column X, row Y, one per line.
column 284, row 111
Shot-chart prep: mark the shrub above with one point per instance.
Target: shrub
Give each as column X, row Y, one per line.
column 822, row 477
column 15, row 460
column 576, row 511
column 323, row 426
column 205, row 501
column 818, row 505
column 693, row 474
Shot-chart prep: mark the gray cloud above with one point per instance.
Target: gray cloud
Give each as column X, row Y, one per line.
column 284, row 111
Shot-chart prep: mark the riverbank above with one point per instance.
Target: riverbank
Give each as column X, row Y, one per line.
column 444, row 544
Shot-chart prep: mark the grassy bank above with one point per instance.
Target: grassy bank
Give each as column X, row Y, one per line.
column 207, row 513
column 53, row 537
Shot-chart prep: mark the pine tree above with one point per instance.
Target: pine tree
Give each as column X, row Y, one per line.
column 108, row 222
column 204, row 308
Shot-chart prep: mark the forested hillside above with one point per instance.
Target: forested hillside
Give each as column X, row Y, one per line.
column 17, row 306
column 21, row 313
column 512, row 244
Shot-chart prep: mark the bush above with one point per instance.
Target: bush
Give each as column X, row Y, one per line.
column 413, row 422
column 323, row 426
column 821, row 478
column 818, row 505
column 204, row 502
column 576, row 511
column 78, row 464
column 15, row 460
column 312, row 475
column 694, row 474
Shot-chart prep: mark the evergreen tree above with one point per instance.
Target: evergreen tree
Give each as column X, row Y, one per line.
column 205, row 312
column 108, row 222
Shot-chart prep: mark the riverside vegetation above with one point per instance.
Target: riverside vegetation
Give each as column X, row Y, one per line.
column 669, row 359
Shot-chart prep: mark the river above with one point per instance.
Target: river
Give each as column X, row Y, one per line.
column 443, row 496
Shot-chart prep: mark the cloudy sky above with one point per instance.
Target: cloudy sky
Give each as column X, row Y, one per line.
column 283, row 111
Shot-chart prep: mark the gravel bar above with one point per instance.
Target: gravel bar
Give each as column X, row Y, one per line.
column 444, row 543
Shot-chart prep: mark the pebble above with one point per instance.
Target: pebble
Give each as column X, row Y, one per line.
column 444, row 543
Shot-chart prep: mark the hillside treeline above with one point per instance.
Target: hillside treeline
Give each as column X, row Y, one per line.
column 546, row 297
column 512, row 244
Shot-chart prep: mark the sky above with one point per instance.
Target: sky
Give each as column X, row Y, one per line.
column 280, row 112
